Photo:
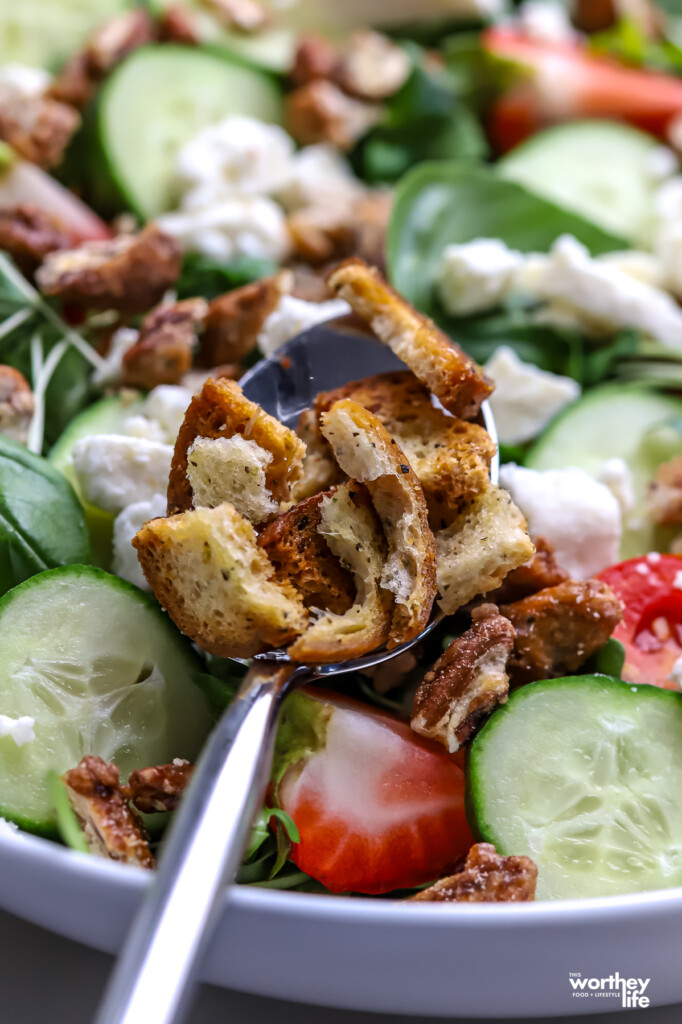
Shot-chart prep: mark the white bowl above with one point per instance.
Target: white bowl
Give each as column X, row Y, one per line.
column 372, row 954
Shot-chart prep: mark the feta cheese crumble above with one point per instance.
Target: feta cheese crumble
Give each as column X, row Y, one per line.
column 292, row 315
column 319, row 176
column 24, row 81
column 18, row 729
column 618, row 478
column 576, row 513
column 546, row 22
column 240, row 226
column 127, row 523
column 476, row 276
column 166, row 405
column 114, row 471
column 525, row 398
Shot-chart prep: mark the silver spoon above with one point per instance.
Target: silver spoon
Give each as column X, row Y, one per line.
column 154, row 978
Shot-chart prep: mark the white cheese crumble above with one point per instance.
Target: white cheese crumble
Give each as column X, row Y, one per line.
column 114, row 471
column 21, row 730
column 546, row 22
column 319, row 176
column 576, row 513
column 241, row 226
column 23, row 81
column 602, row 294
column 166, row 405
column 292, row 315
column 476, row 276
column 662, row 163
column 525, row 398
column 618, row 478
column 127, row 523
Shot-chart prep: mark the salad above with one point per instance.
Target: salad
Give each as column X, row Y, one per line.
column 491, row 190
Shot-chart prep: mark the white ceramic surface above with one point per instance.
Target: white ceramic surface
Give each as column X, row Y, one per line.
column 467, row 961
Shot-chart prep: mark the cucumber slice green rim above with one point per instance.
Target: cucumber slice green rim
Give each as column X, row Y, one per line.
column 102, row 671
column 156, row 100
column 583, row 774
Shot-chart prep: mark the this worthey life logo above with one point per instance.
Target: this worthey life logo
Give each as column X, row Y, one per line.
column 631, row 991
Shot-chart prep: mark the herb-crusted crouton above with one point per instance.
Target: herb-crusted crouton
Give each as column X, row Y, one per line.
column 320, row 469
column 301, row 555
column 451, row 457
column 231, row 469
column 365, row 450
column 216, row 584
column 435, row 360
column 222, row 410
column 350, row 527
column 483, row 545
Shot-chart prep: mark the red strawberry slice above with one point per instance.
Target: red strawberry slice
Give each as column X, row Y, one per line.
column 377, row 807
column 565, row 80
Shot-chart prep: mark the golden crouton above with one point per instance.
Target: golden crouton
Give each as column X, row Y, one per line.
column 301, row 555
column 435, row 360
column 451, row 457
column 216, row 584
column 366, row 451
column 350, row 526
column 231, row 469
column 483, row 545
column 320, row 469
column 222, row 410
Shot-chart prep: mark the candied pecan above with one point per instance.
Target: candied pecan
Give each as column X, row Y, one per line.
column 111, row 827
column 321, row 112
column 176, row 25
column 239, row 15
column 235, row 320
column 542, row 571
column 486, row 878
column 308, row 283
column 28, row 235
column 118, row 37
column 159, row 788
column 557, row 629
column 595, row 15
column 128, row 273
column 38, row 127
column 319, row 234
column 16, row 404
column 315, row 58
column 302, row 557
column 74, row 84
column 664, row 496
column 372, row 67
column 467, row 682
column 163, row 352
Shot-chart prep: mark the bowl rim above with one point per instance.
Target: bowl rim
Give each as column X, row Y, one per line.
column 45, row 854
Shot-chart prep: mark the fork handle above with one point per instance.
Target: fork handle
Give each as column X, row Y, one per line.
column 152, row 982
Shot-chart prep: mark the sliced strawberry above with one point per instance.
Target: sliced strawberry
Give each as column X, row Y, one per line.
column 377, row 807
column 561, row 81
column 24, row 183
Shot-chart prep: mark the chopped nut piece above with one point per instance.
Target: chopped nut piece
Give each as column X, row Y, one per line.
column 16, row 404
column 239, row 15
column 664, row 498
column 315, row 58
column 222, row 410
column 595, row 15
column 159, row 788
column 467, row 682
column 439, row 364
column 176, row 25
column 75, row 84
column 559, row 628
column 542, row 571
column 373, row 67
column 129, row 273
column 163, row 352
column 28, row 235
column 37, row 127
column 116, row 38
column 301, row 555
column 111, row 827
column 366, row 452
column 451, row 457
column 320, row 469
column 235, row 319
column 216, row 584
column 320, row 234
column 482, row 546
column 486, row 878
column 320, row 112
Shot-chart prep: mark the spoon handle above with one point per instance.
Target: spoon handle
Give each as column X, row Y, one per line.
column 153, row 980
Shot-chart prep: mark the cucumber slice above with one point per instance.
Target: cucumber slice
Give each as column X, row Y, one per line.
column 44, row 33
column 584, row 775
column 158, row 99
column 611, row 421
column 104, row 417
column 600, row 169
column 102, row 671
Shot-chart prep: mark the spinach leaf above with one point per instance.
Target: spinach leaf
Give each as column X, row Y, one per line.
column 209, row 278
column 442, row 203
column 41, row 520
